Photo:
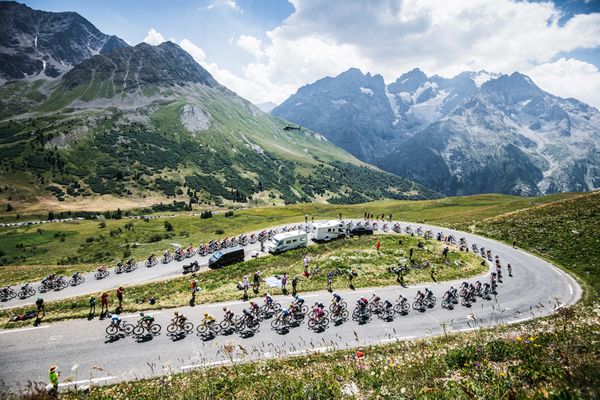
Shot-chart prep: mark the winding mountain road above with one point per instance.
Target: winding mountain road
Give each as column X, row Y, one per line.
column 536, row 289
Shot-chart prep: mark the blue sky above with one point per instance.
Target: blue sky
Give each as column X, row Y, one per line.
column 265, row 49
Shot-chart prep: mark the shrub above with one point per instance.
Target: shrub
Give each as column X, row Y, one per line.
column 219, row 232
column 168, row 226
column 206, row 214
column 229, row 214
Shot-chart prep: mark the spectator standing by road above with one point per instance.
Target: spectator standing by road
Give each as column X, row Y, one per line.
column 284, row 279
column 92, row 302
column 378, row 246
column 306, row 218
column 246, row 285
column 410, row 253
column 432, row 273
column 306, row 263
column 53, row 375
column 256, row 281
column 40, row 308
column 295, row 285
column 120, row 292
column 103, row 305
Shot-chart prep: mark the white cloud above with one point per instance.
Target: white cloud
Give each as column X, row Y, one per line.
column 251, row 45
column 196, row 52
column 393, row 36
column 153, row 37
column 234, row 6
column 569, row 78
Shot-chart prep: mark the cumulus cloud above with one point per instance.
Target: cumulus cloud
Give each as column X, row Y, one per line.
column 196, row 52
column 569, row 78
column 251, row 45
column 154, row 37
column 393, row 36
column 234, row 6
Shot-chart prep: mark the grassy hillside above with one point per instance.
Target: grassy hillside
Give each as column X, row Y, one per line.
column 103, row 132
column 567, row 232
column 556, row 357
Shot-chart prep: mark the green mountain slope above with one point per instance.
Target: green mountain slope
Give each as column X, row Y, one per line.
column 147, row 123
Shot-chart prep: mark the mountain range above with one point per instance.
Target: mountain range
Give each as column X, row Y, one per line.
column 477, row 132
column 136, row 122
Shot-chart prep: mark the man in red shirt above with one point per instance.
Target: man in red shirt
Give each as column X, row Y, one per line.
column 378, row 245
column 104, row 304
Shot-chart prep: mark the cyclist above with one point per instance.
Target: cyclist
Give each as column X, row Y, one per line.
column 179, row 319
column 337, row 299
column 115, row 320
column 208, row 319
column 318, row 311
column 362, row 303
column 449, row 295
column 298, row 301
column 268, row 299
column 102, row 269
column 254, row 308
column 477, row 287
column 420, row 296
column 401, row 299
column 228, row 314
column 147, row 319
column 375, row 299
column 387, row 304
column 428, row 293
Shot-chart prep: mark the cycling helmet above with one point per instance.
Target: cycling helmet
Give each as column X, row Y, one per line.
column 141, row 314
column 205, row 314
column 176, row 312
column 225, row 309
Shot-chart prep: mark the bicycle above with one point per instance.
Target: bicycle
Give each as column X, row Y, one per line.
column 113, row 329
column 176, row 326
column 142, row 326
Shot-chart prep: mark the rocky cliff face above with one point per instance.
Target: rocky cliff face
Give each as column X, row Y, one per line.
column 475, row 133
column 38, row 44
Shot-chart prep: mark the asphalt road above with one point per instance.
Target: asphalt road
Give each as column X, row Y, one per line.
column 537, row 288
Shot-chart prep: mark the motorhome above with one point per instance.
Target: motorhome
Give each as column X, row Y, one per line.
column 328, row 230
column 287, row 241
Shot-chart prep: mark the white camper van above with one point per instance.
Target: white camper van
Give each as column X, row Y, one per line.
column 287, row 241
column 328, row 230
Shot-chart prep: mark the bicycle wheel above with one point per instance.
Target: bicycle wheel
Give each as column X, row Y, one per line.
column 72, row 282
column 417, row 305
column 23, row 295
column 155, row 328
column 111, row 330
column 312, row 323
column 345, row 314
column 276, row 323
column 202, row 329
column 216, row 328
column 188, row 327
column 172, row 328
column 128, row 328
column 138, row 330
column 225, row 325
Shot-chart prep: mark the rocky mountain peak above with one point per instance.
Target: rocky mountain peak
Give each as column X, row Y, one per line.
column 131, row 67
column 44, row 44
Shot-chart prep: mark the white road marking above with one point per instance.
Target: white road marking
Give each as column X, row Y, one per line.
column 570, row 289
column 209, row 364
column 390, row 340
column 137, row 315
column 94, row 380
column 229, row 303
column 24, row 329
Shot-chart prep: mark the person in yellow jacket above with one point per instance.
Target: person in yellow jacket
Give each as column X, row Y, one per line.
column 53, row 375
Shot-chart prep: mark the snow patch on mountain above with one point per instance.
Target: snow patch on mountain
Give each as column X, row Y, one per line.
column 365, row 90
